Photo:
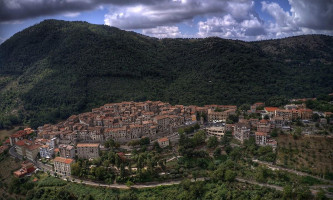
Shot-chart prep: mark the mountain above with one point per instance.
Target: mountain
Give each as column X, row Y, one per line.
column 57, row 68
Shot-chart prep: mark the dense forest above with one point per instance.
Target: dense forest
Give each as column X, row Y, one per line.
column 57, row 68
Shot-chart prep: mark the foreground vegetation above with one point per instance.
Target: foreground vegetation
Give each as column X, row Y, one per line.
column 312, row 154
column 52, row 188
column 220, row 162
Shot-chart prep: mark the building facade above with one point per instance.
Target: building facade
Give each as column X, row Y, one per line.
column 63, row 165
column 88, row 150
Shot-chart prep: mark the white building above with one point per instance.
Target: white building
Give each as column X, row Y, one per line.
column 261, row 138
column 216, row 131
column 46, row 151
column 242, row 132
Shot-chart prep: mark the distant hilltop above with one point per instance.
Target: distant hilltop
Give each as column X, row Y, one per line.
column 54, row 69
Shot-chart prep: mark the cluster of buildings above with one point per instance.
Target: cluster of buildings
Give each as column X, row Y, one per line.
column 121, row 122
column 81, row 136
column 272, row 117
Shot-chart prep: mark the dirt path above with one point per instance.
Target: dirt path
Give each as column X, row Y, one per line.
column 270, row 165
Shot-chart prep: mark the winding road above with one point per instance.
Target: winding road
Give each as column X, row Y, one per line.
column 314, row 189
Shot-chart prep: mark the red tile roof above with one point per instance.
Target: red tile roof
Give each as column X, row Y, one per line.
column 63, row 160
column 163, row 139
column 87, row 145
column 260, row 134
column 271, row 109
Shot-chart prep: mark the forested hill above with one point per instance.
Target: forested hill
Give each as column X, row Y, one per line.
column 57, row 68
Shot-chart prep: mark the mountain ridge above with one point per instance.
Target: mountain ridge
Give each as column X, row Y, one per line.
column 57, row 68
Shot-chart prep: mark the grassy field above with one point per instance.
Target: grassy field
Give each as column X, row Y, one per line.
column 7, row 166
column 312, row 154
column 5, row 133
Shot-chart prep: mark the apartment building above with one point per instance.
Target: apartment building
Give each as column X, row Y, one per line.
column 88, row 150
column 63, row 165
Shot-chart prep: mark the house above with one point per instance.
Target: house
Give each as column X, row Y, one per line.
column 27, row 148
column 20, row 135
column 66, row 151
column 219, row 116
column 269, row 111
column 163, row 142
column 242, row 132
column 45, row 151
column 162, row 122
column 215, row 131
column 63, row 165
column 261, row 138
column 305, row 113
column 32, row 151
column 264, row 126
column 26, row 167
column 87, row 150
column 230, row 127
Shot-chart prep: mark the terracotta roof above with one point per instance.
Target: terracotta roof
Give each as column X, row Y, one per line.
column 63, row 160
column 263, row 121
column 163, row 139
column 260, row 134
column 158, row 117
column 22, row 142
column 271, row 109
column 33, row 146
column 87, row 145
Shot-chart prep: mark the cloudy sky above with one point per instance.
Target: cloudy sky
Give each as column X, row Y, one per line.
column 234, row 19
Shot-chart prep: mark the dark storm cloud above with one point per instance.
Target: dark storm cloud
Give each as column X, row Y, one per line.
column 164, row 13
column 314, row 14
column 22, row 9
column 255, row 31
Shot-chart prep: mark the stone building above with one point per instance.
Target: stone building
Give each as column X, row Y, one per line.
column 87, row 150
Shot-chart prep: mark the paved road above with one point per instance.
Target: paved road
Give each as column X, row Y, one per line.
column 12, row 152
column 279, row 188
column 138, row 186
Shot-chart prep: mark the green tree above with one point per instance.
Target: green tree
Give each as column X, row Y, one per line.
column 199, row 138
column 287, row 192
column 230, row 175
column 76, row 169
column 212, row 142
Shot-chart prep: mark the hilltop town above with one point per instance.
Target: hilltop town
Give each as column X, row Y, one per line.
column 111, row 138
column 82, row 136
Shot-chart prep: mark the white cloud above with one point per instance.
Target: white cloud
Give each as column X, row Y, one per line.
column 303, row 18
column 71, row 14
column 163, row 32
column 228, row 27
column 240, row 23
column 235, row 19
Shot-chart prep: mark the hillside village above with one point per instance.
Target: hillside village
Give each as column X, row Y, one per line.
column 83, row 136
